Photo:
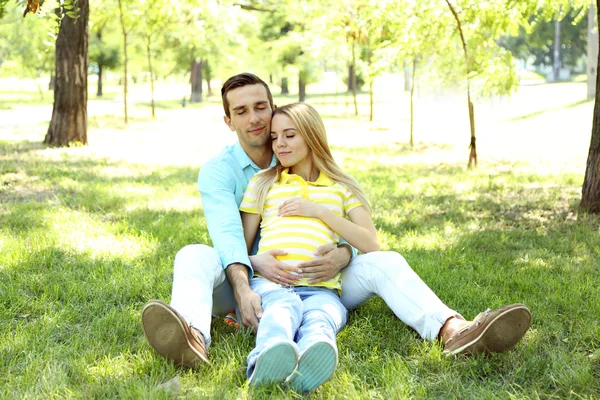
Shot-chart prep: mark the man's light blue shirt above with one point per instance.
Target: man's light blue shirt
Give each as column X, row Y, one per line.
column 222, row 182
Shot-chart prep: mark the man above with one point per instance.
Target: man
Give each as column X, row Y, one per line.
column 212, row 281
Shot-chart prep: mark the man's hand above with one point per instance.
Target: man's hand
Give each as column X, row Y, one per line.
column 333, row 259
column 249, row 303
column 274, row 270
column 297, row 206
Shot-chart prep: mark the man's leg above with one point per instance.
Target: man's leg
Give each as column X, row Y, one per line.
column 181, row 332
column 324, row 316
column 200, row 287
column 388, row 275
column 275, row 355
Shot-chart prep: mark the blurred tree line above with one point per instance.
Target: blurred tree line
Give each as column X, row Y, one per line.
column 467, row 42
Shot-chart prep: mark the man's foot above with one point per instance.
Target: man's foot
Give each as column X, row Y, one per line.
column 315, row 367
column 491, row 331
column 275, row 363
column 171, row 336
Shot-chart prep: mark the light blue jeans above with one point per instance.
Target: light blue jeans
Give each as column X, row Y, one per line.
column 303, row 314
column 201, row 289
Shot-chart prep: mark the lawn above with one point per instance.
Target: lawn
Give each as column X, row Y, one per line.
column 88, row 235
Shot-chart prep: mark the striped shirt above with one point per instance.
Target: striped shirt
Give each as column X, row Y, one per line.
column 299, row 236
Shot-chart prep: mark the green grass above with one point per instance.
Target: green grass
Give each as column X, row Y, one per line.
column 85, row 242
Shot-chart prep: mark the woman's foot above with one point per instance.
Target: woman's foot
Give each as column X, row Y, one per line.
column 275, row 363
column 315, row 367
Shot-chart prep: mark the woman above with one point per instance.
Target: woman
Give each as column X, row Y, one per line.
column 300, row 204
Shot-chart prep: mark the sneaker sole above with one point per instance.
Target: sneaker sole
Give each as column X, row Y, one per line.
column 165, row 332
column 274, row 364
column 501, row 334
column 315, row 367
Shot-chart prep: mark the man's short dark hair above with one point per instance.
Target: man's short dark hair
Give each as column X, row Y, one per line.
column 241, row 80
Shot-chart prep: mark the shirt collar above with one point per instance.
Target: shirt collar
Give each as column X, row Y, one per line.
column 322, row 180
column 244, row 160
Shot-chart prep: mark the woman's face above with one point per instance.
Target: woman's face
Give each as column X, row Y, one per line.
column 289, row 146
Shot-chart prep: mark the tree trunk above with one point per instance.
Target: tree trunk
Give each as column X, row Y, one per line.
column 412, row 102
column 590, row 193
column 472, row 143
column 69, row 114
column 354, row 88
column 52, row 83
column 592, row 52
column 99, row 90
column 350, row 77
column 284, row 86
column 196, row 79
column 556, row 52
column 125, row 60
column 407, row 77
column 148, row 52
column 208, row 78
column 301, row 88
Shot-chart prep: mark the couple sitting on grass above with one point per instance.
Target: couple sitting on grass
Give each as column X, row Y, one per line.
column 302, row 220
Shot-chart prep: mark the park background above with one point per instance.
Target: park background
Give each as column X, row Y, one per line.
column 89, row 227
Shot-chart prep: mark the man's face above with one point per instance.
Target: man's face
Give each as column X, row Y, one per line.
column 250, row 116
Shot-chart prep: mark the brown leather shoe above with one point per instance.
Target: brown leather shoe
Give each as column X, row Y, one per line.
column 171, row 336
column 491, row 331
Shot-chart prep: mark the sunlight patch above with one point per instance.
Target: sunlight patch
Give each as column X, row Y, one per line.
column 175, row 204
column 84, row 234
column 115, row 367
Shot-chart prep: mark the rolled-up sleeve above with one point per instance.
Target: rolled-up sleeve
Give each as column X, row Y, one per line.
column 217, row 189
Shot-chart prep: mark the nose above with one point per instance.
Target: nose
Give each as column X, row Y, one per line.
column 254, row 117
column 280, row 141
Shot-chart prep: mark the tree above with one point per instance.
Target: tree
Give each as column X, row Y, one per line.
column 157, row 18
column 422, row 37
column 104, row 48
column 28, row 42
column 69, row 114
column 590, row 192
column 103, row 55
column 128, row 23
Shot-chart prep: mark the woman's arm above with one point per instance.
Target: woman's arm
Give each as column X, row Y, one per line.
column 251, row 222
column 360, row 231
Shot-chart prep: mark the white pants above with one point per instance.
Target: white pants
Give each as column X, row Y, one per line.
column 201, row 289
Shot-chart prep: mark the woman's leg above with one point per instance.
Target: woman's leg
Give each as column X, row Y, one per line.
column 275, row 353
column 324, row 316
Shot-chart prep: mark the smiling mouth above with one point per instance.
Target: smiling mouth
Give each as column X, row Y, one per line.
column 284, row 154
column 256, row 130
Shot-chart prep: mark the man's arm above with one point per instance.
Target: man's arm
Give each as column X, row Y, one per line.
column 249, row 303
column 217, row 189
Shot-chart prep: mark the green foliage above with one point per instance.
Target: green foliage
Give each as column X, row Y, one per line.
column 28, row 42
column 3, row 4
column 537, row 43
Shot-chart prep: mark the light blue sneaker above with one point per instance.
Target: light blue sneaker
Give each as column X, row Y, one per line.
column 315, row 367
column 275, row 363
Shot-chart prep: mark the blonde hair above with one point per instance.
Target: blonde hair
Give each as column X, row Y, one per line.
column 310, row 126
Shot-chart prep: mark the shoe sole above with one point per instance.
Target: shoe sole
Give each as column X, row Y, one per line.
column 315, row 367
column 165, row 332
column 274, row 364
column 501, row 334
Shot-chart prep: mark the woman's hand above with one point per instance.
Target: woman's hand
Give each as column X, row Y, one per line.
column 274, row 270
column 297, row 206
